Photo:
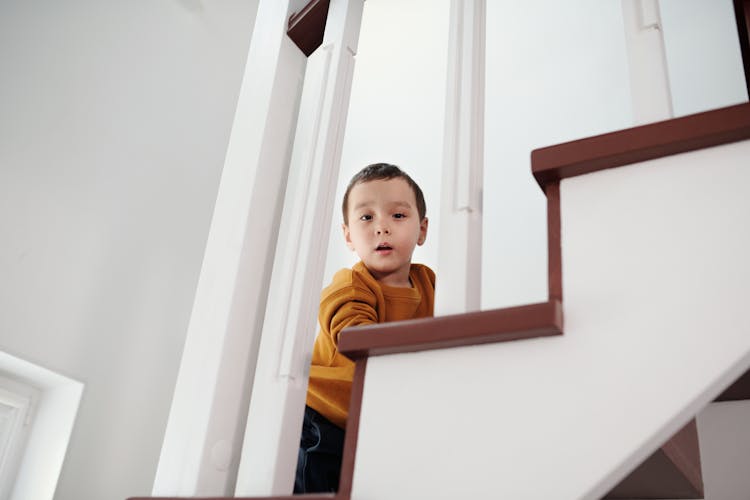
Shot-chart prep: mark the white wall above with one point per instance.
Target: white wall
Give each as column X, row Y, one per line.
column 114, row 121
column 556, row 71
column 724, row 436
column 703, row 55
column 396, row 108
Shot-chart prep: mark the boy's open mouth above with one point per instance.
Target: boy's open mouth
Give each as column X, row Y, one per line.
column 383, row 247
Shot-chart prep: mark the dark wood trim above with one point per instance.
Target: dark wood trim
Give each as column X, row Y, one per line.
column 352, row 430
column 672, row 471
column 742, row 17
column 739, row 390
column 482, row 327
column 646, row 142
column 683, row 450
column 554, row 243
column 306, row 27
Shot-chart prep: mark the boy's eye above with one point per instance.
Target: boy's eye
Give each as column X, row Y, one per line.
column 365, row 217
column 399, row 216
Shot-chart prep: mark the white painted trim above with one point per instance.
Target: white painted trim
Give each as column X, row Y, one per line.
column 647, row 61
column 460, row 248
column 272, row 434
column 47, row 441
column 200, row 453
column 20, row 397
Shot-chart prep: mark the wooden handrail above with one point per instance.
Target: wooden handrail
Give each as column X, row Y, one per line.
column 481, row 327
column 637, row 144
column 307, row 27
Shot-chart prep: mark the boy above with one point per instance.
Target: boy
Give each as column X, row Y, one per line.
column 384, row 220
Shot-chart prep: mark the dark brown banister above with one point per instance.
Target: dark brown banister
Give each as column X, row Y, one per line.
column 742, row 17
column 499, row 325
column 306, row 27
column 637, row 144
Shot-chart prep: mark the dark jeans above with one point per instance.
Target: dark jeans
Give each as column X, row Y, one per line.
column 319, row 457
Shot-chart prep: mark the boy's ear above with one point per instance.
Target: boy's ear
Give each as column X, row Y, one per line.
column 422, row 231
column 347, row 237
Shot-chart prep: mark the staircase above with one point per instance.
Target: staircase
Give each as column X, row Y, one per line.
column 652, row 255
column 648, row 227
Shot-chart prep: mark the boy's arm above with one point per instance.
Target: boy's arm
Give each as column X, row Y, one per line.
column 350, row 304
column 352, row 313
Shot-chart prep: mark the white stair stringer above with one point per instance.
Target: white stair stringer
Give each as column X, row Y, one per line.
column 655, row 288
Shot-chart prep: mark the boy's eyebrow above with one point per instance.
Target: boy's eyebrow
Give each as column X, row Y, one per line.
column 402, row 204
column 361, row 204
column 365, row 204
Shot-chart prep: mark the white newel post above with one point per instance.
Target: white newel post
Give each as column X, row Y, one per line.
column 460, row 252
column 201, row 446
column 647, row 62
column 269, row 452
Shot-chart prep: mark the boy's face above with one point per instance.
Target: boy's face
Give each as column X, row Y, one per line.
column 384, row 227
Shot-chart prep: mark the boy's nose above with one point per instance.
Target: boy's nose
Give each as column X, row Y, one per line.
column 384, row 230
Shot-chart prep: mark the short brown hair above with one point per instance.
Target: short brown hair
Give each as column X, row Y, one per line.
column 381, row 171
